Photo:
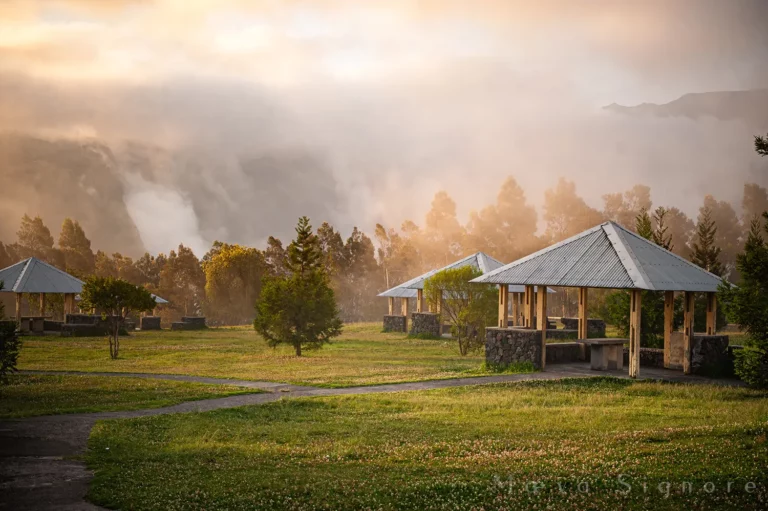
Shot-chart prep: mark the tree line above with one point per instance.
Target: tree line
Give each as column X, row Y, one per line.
column 225, row 283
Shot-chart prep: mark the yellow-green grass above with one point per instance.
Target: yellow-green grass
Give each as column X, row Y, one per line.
column 27, row 395
column 363, row 355
column 483, row 447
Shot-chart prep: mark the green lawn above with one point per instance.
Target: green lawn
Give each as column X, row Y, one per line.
column 27, row 395
column 361, row 356
column 475, row 447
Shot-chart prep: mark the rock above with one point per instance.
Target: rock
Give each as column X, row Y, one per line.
column 395, row 323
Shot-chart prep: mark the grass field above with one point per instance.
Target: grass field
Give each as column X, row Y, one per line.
column 574, row 444
column 27, row 395
column 361, row 356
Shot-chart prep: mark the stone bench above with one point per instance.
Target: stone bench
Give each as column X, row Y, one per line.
column 606, row 354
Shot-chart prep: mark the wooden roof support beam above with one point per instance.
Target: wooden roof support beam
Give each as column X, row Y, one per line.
column 391, row 301
column 688, row 308
column 669, row 325
column 529, row 307
column 711, row 313
column 503, row 305
column 635, row 316
column 404, row 307
column 515, row 309
column 542, row 323
column 420, row 300
column 583, row 316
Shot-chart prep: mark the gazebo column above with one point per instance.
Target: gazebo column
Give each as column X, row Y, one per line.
column 404, row 307
column 688, row 308
column 711, row 313
column 669, row 325
column 529, row 306
column 503, row 305
column 582, row 334
column 391, row 301
column 420, row 300
column 515, row 309
column 42, row 304
column 635, row 315
column 18, row 307
column 542, row 325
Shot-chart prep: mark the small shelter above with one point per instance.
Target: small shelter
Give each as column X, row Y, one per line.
column 35, row 276
column 610, row 256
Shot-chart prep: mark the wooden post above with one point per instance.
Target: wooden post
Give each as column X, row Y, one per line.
column 515, row 309
column 419, row 300
column 503, row 305
column 391, row 301
column 582, row 334
column 635, row 317
column 42, row 304
column 688, row 308
column 711, row 313
column 529, row 307
column 404, row 307
column 18, row 308
column 542, row 319
column 669, row 325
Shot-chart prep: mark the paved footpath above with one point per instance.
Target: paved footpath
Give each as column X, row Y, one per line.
column 38, row 469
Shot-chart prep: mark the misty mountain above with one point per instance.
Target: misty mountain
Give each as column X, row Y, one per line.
column 750, row 106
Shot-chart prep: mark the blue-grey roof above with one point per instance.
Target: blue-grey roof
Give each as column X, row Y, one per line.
column 35, row 276
column 479, row 260
column 606, row 256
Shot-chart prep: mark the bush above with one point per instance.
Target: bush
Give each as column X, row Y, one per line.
column 751, row 364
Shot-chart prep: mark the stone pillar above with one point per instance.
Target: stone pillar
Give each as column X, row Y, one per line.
column 503, row 305
column 711, row 313
column 688, row 307
column 635, row 315
column 542, row 315
column 669, row 325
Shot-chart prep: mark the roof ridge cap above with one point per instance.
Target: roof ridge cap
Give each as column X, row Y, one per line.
column 27, row 262
column 630, row 264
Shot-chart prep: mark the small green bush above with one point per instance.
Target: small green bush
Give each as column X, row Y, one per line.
column 751, row 364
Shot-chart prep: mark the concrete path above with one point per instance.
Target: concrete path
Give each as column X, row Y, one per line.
column 37, row 469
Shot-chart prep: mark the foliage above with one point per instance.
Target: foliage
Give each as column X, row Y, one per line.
column 115, row 298
column 10, row 345
column 761, row 145
column 76, row 247
column 565, row 213
column 182, row 281
column 35, row 240
column 469, row 308
column 660, row 234
column 233, row 276
column 299, row 309
column 706, row 253
column 747, row 305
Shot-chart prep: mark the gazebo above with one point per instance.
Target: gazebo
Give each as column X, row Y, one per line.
column 608, row 256
column 35, row 276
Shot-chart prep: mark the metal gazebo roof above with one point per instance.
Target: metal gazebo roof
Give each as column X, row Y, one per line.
column 35, row 276
column 606, row 256
column 479, row 260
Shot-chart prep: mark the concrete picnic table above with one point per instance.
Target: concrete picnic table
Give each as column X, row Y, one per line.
column 606, row 354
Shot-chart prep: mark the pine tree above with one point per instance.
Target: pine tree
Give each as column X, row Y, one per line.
column 761, row 145
column 76, row 248
column 660, row 235
column 300, row 308
column 643, row 225
column 705, row 253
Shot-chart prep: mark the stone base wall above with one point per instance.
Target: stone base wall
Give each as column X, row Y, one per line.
column 425, row 323
column 710, row 355
column 504, row 346
column 150, row 323
column 649, row 357
column 52, row 326
column 189, row 323
column 595, row 327
column 566, row 352
column 395, row 323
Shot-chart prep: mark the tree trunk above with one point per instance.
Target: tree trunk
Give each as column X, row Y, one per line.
column 298, row 349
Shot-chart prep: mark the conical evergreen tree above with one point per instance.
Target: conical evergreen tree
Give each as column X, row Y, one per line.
column 643, row 225
column 304, row 253
column 705, row 253
column 660, row 235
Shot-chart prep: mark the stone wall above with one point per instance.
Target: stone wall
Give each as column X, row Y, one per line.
column 150, row 323
column 710, row 355
column 425, row 323
column 395, row 323
column 189, row 323
column 649, row 357
column 565, row 352
column 595, row 327
column 504, row 346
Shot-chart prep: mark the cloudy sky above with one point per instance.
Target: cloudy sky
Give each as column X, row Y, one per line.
column 395, row 99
